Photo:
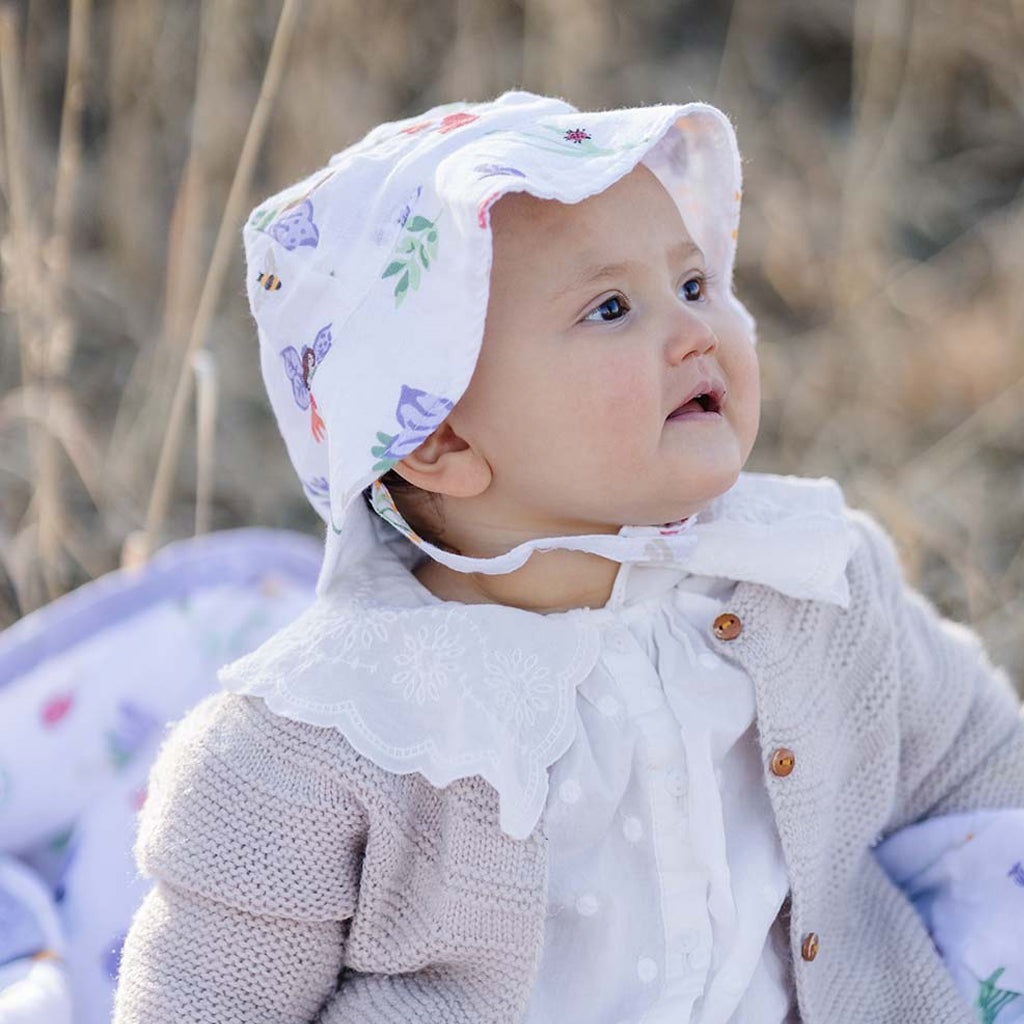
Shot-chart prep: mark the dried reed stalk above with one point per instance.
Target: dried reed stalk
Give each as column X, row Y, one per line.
column 38, row 281
column 218, row 267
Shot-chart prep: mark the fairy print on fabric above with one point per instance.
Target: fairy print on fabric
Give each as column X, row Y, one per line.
column 418, row 414
column 300, row 370
column 992, row 1000
column 413, row 254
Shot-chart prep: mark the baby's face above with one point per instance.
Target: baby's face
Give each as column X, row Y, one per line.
column 580, row 372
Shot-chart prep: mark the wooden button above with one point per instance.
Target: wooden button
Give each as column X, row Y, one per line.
column 809, row 949
column 782, row 761
column 727, row 626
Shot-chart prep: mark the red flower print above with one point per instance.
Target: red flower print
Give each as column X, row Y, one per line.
column 485, row 205
column 577, row 135
column 414, row 128
column 671, row 529
column 453, row 121
column 56, row 708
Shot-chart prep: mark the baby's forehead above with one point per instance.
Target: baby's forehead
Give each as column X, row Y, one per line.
column 633, row 215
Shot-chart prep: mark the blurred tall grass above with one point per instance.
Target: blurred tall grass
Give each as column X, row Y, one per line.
column 881, row 248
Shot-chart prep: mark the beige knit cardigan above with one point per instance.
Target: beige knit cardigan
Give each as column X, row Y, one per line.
column 297, row 881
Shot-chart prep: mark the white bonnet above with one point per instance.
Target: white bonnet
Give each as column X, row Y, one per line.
column 368, row 279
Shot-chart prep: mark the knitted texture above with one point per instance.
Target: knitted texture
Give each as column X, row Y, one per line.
column 297, row 881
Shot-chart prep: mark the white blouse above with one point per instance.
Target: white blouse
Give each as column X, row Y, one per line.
column 619, row 726
column 666, row 870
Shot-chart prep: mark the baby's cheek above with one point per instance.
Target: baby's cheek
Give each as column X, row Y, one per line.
column 612, row 406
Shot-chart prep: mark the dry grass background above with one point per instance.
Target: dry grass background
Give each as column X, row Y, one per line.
column 882, row 247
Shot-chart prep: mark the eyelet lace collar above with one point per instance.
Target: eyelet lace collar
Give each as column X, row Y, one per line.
column 452, row 690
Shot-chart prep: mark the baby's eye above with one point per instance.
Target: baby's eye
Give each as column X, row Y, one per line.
column 609, row 310
column 693, row 289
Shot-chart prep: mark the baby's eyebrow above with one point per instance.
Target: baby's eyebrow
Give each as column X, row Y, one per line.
column 588, row 275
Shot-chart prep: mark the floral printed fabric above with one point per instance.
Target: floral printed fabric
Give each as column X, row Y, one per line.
column 88, row 685
column 368, row 280
column 964, row 873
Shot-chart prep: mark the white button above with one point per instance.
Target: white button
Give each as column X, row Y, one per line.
column 570, row 791
column 700, row 959
column 675, row 781
column 587, row 904
column 633, row 829
column 709, row 660
column 608, row 706
column 646, row 969
column 619, row 640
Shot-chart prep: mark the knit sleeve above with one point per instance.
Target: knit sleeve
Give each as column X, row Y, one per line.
column 961, row 723
column 255, row 846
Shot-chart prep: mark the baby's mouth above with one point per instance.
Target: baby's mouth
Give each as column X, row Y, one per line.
column 707, row 403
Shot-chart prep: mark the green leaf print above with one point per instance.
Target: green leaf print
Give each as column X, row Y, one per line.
column 992, row 999
column 414, row 253
column 261, row 218
column 402, row 287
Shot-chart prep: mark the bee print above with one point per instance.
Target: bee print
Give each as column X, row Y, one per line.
column 300, row 370
column 268, row 275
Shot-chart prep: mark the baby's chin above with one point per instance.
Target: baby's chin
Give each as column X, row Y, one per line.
column 671, row 508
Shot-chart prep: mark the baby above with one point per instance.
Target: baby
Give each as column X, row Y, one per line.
column 586, row 723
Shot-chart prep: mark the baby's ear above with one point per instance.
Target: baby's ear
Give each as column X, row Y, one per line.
column 446, row 464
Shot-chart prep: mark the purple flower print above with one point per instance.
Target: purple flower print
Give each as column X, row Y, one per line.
column 496, row 170
column 318, row 487
column 133, row 728
column 296, row 227
column 577, row 135
column 110, row 958
column 403, row 216
column 418, row 414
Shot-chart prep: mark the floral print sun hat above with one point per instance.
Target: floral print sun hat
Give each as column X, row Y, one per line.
column 368, row 281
